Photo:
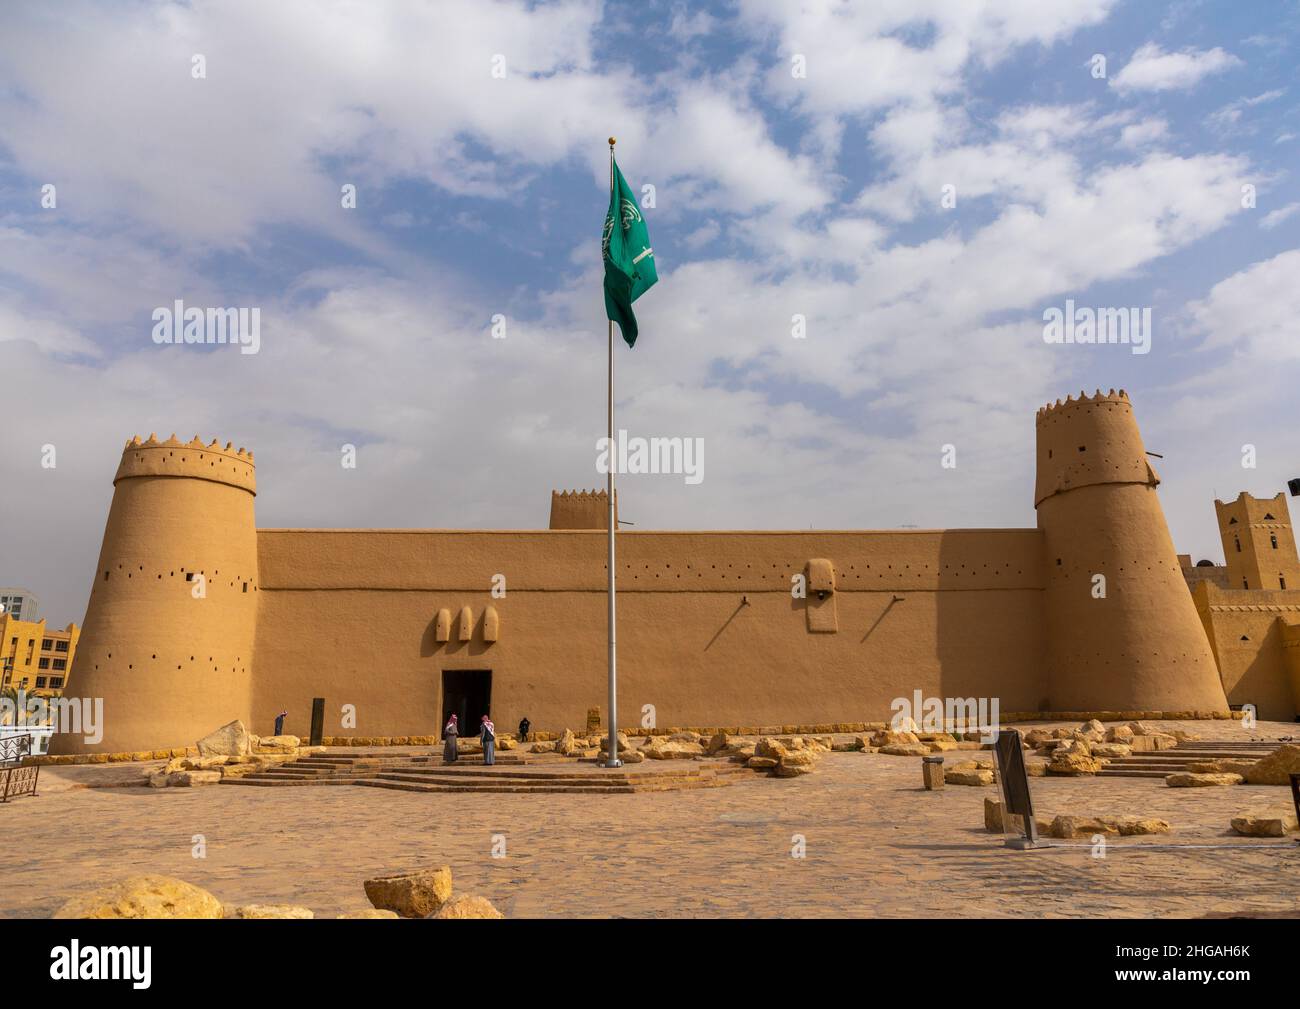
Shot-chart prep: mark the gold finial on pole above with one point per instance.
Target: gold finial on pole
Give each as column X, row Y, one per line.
column 611, row 141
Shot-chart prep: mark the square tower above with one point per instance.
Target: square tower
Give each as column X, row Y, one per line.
column 1258, row 543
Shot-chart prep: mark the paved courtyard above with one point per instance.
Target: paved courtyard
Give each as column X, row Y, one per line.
column 877, row 845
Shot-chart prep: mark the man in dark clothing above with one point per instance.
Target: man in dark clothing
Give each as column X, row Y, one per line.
column 523, row 730
column 279, row 723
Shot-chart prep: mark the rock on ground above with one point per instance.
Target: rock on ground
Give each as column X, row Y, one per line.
column 660, row 748
column 147, row 896
column 795, row 763
column 1276, row 768
column 1265, row 823
column 973, row 776
column 906, row 750
column 1185, row 779
column 468, row 907
column 412, row 894
column 231, row 740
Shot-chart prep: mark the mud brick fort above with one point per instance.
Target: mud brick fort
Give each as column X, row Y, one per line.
column 198, row 617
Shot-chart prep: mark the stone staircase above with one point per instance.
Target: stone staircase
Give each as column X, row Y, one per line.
column 426, row 772
column 591, row 781
column 1161, row 763
column 348, row 768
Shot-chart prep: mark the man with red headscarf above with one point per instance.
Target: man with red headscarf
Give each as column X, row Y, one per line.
column 450, row 731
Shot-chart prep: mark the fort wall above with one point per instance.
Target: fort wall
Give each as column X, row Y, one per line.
column 709, row 632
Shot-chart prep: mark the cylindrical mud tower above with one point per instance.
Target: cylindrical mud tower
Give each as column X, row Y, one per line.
column 168, row 637
column 1122, row 630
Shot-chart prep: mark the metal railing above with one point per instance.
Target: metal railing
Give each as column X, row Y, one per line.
column 15, row 778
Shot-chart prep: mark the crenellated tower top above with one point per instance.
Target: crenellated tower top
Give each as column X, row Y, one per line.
column 193, row 459
column 582, row 509
column 1088, row 441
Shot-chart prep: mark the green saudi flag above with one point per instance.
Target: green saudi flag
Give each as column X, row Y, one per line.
column 629, row 260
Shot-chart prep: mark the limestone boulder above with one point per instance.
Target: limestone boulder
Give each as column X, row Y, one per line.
column 276, row 744
column 846, row 745
column 1276, row 768
column 1066, row 826
column 1111, row 750
column 416, row 894
column 974, row 776
column 769, row 747
column 661, row 748
column 1092, row 731
column 890, row 737
column 1133, row 826
column 686, row 736
column 567, row 745
column 906, row 749
column 1186, row 779
column 1119, row 734
column 719, row 742
column 146, row 896
column 1037, row 737
column 1224, row 766
column 1073, row 757
column 467, row 907
column 547, row 746
column 761, row 763
column 506, row 743
column 230, row 740
column 941, row 745
column 795, row 763
column 272, row 911
column 1265, row 823
column 628, row 756
column 742, row 753
column 1141, row 728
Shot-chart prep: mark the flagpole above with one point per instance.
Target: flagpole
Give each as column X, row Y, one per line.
column 613, row 760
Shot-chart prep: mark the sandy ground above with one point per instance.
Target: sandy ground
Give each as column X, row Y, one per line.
column 874, row 844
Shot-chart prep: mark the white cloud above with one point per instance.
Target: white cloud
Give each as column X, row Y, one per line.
column 1147, row 133
column 1254, row 312
column 1153, row 69
column 1275, row 217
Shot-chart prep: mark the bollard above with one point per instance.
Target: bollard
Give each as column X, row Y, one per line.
column 932, row 770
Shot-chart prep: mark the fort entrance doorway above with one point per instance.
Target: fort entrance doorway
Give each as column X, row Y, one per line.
column 467, row 694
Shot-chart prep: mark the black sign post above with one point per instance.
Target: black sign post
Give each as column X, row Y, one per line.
column 1010, row 756
column 317, row 720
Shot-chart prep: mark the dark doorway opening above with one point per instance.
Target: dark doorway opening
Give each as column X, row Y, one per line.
column 467, row 694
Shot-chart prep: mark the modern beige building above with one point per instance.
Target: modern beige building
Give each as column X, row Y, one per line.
column 197, row 616
column 36, row 659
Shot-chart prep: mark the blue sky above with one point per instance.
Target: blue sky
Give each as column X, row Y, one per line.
column 776, row 195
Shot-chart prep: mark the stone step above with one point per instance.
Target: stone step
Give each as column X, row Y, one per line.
column 401, row 784
column 460, row 781
column 1107, row 772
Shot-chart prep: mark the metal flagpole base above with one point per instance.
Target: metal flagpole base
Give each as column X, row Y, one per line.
column 614, row 763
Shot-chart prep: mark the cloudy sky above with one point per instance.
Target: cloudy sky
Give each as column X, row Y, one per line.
column 799, row 154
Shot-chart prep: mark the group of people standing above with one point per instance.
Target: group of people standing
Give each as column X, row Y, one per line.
column 487, row 735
